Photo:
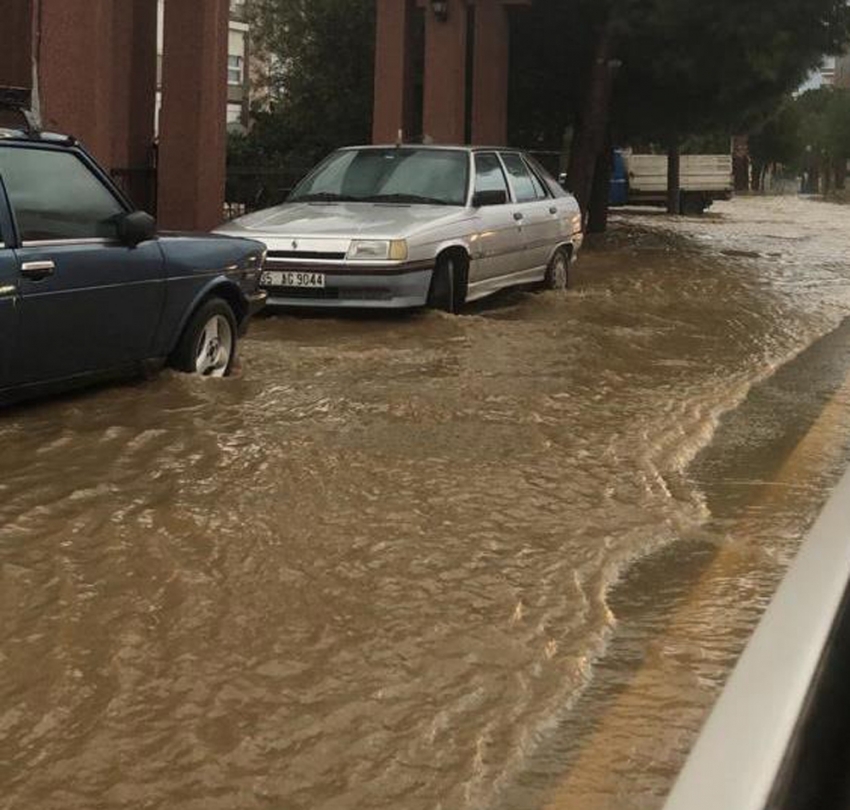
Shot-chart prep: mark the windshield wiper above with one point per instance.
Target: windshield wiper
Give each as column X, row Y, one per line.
column 325, row 196
column 405, row 198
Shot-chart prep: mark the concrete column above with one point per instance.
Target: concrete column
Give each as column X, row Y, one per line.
column 490, row 74
column 134, row 97
column 192, row 146
column 75, row 71
column 444, row 109
column 393, row 71
column 16, row 44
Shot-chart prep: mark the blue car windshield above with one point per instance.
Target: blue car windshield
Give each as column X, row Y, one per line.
column 406, row 175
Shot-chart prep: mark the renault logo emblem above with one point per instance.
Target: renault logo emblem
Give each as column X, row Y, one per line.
column 295, row 244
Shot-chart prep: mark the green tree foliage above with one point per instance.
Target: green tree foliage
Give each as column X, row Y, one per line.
column 810, row 133
column 778, row 142
column 322, row 69
column 683, row 67
column 658, row 71
column 825, row 133
column 697, row 65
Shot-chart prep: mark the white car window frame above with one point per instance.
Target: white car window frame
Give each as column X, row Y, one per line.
column 514, row 196
column 474, row 173
column 547, row 193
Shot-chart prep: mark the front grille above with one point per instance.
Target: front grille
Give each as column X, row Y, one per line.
column 365, row 294
column 316, row 293
column 304, row 254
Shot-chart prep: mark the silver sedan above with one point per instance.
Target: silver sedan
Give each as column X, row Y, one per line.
column 412, row 226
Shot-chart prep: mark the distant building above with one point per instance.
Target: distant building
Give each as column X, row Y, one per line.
column 822, row 77
column 834, row 72
column 239, row 75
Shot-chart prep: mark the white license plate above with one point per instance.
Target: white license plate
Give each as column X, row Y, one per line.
column 292, row 278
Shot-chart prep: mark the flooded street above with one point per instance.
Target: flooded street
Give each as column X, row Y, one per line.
column 499, row 561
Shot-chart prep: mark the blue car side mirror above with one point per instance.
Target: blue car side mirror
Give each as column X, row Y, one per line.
column 135, row 228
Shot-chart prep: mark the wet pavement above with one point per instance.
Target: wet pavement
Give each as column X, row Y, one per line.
column 501, row 560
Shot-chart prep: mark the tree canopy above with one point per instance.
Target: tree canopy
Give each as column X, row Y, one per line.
column 321, row 55
column 640, row 71
column 682, row 66
column 809, row 133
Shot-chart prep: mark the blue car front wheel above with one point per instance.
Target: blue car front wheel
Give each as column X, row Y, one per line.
column 208, row 343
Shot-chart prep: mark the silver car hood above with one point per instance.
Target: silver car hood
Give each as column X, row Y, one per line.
column 343, row 220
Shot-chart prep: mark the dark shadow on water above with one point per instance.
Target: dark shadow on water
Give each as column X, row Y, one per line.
column 82, row 395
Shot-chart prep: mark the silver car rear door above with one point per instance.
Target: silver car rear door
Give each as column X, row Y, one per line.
column 549, row 210
column 539, row 226
column 501, row 244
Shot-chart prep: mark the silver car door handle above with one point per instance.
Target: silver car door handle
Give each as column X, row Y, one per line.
column 518, row 216
column 37, row 270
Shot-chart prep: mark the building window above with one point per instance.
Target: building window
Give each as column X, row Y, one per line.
column 235, row 70
column 234, row 113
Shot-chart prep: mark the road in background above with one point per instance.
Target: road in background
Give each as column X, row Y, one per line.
column 422, row 561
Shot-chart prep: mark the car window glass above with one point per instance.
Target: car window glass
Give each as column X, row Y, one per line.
column 327, row 177
column 520, row 178
column 555, row 189
column 396, row 174
column 54, row 195
column 539, row 188
column 488, row 174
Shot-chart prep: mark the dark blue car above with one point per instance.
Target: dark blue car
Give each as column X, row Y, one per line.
column 89, row 289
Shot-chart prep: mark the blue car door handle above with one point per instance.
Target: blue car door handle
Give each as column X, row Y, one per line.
column 37, row 270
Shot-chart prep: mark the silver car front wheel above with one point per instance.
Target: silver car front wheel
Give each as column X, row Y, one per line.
column 558, row 272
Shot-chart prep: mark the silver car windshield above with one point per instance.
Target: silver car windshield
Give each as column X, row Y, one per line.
column 395, row 175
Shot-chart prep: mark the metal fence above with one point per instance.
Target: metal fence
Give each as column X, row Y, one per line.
column 250, row 188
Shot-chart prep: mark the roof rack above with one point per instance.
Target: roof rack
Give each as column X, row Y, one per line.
column 17, row 100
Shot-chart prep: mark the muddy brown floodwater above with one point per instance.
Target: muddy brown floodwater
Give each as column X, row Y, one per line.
column 501, row 560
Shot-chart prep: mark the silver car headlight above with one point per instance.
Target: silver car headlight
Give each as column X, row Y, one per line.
column 377, row 250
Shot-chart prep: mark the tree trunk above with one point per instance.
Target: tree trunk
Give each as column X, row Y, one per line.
column 674, row 193
column 741, row 162
column 590, row 134
column 758, row 170
column 841, row 174
column 597, row 214
column 813, row 180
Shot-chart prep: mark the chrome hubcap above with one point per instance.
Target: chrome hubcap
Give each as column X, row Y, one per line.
column 215, row 347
